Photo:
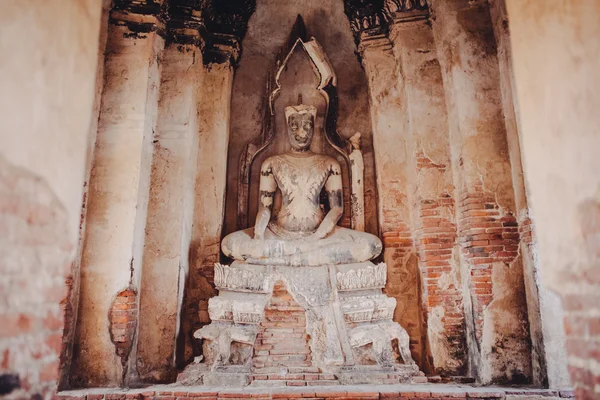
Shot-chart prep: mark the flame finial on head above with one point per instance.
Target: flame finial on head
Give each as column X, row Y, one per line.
column 300, row 109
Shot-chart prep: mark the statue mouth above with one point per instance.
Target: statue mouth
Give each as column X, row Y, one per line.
column 301, row 140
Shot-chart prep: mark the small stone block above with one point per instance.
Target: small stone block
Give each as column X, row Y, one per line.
column 326, row 377
column 322, row 383
column 485, row 395
column 330, row 394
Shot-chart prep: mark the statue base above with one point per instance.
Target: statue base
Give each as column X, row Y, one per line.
column 299, row 326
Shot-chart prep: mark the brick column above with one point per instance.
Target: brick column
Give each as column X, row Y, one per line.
column 213, row 119
column 170, row 208
column 492, row 272
column 118, row 200
column 393, row 165
column 434, row 214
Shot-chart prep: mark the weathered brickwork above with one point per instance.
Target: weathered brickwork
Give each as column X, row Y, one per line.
column 487, row 236
column 35, row 253
column 436, row 237
column 441, row 393
column 282, row 340
column 123, row 322
column 403, row 284
column 526, row 231
column 582, row 328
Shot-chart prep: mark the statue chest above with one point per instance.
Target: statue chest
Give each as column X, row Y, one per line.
column 303, row 181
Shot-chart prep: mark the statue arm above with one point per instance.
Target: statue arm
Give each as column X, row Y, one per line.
column 267, row 189
column 333, row 187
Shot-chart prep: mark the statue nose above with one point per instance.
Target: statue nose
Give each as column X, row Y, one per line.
column 302, row 133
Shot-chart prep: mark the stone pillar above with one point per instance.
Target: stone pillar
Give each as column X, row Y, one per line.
column 117, row 205
column 50, row 51
column 492, row 269
column 170, row 208
column 393, row 162
column 543, row 306
column 555, row 57
column 213, row 119
column 434, row 205
column 71, row 302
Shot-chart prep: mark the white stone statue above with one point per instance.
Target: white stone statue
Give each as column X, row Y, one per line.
column 301, row 234
column 357, row 168
column 325, row 267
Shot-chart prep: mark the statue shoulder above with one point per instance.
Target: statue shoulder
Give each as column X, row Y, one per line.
column 331, row 163
column 267, row 164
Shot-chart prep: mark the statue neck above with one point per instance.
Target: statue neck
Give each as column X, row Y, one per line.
column 300, row 152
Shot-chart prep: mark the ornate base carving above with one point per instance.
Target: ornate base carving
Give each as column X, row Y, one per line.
column 348, row 320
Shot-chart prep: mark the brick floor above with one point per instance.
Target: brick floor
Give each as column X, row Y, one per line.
column 371, row 392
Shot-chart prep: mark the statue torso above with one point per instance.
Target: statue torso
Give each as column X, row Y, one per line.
column 300, row 180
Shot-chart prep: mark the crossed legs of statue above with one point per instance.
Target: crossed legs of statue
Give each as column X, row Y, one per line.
column 341, row 246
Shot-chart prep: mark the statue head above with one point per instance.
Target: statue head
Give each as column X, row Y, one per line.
column 301, row 125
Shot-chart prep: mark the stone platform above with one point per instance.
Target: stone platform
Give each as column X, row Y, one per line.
column 364, row 392
column 301, row 326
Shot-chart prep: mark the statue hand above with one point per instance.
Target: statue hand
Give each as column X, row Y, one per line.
column 318, row 235
column 259, row 234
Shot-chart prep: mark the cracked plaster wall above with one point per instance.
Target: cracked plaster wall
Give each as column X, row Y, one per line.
column 47, row 77
column 558, row 104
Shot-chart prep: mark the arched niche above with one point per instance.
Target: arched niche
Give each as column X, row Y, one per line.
column 302, row 69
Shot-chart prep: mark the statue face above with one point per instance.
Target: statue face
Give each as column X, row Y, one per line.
column 301, row 130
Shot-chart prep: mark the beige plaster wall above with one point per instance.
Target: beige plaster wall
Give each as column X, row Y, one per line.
column 47, row 72
column 556, row 52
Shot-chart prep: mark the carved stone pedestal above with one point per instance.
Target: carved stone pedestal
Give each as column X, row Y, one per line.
column 351, row 335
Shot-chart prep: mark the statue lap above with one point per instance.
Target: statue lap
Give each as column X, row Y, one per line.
column 341, row 246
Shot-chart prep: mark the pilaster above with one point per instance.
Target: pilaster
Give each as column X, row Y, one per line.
column 171, row 203
column 434, row 208
column 492, row 267
column 544, row 306
column 393, row 147
column 117, row 207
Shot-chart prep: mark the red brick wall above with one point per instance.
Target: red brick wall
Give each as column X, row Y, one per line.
column 436, row 238
column 486, row 237
column 403, row 283
column 123, row 322
column 35, row 254
column 282, row 340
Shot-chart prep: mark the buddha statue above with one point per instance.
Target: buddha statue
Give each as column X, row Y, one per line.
column 301, row 234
